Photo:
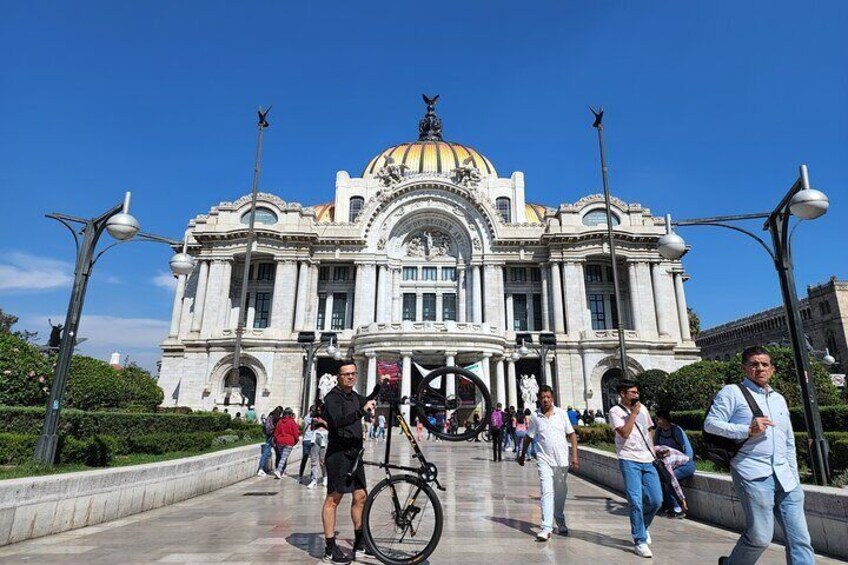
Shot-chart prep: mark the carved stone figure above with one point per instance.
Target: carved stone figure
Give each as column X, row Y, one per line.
column 430, row 126
column 391, row 173
column 326, row 383
column 467, row 174
column 55, row 334
column 529, row 390
column 429, row 244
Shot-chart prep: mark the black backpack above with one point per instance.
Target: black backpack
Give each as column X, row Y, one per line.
column 721, row 450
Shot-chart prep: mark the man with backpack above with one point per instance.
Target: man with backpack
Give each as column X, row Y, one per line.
column 764, row 467
column 496, row 426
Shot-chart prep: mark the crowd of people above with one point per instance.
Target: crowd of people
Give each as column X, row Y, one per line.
column 654, row 456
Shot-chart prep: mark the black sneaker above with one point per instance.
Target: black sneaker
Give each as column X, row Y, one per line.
column 335, row 555
column 678, row 515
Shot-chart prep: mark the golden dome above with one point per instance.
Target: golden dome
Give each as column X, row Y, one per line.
column 430, row 157
column 535, row 213
column 430, row 154
column 325, row 213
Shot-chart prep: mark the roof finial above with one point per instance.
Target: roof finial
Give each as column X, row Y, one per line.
column 430, row 126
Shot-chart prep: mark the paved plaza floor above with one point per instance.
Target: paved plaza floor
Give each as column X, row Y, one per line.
column 491, row 513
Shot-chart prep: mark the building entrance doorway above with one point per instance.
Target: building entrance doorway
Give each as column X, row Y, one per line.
column 608, row 383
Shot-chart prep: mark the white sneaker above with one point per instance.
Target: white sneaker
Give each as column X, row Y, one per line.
column 544, row 535
column 648, row 539
column 261, row 473
column 277, row 475
column 642, row 550
column 324, row 481
column 284, row 474
column 312, row 485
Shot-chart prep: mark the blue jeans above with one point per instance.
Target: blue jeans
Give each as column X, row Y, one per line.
column 519, row 440
column 554, row 489
column 267, row 447
column 644, row 496
column 670, row 501
column 763, row 500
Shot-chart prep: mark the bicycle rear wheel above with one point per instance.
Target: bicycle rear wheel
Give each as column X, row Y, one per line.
column 402, row 520
column 453, row 392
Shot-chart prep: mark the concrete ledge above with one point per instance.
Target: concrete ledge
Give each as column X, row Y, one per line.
column 711, row 498
column 38, row 506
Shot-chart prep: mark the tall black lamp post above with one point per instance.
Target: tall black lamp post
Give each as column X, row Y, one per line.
column 329, row 341
column 805, row 203
column 123, row 227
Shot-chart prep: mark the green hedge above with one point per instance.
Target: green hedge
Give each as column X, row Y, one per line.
column 80, row 424
column 834, row 418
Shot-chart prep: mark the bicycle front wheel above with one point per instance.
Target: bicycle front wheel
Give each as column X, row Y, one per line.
column 447, row 399
column 402, row 520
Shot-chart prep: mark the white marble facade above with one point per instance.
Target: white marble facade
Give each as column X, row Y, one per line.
column 439, row 266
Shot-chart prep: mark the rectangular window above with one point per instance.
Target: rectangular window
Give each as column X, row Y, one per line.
column 323, row 273
column 598, row 311
column 519, row 312
column 429, row 273
column 341, row 274
column 428, row 307
column 410, row 273
column 594, row 273
column 409, row 306
column 449, row 307
column 536, row 274
column 537, row 312
column 262, row 309
column 448, row 273
column 519, row 274
column 339, row 311
column 265, row 272
column 322, row 308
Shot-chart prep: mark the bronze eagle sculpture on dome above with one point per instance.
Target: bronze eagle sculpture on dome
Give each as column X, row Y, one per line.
column 430, row 126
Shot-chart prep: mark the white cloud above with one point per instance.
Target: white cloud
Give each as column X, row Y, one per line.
column 25, row 272
column 112, row 279
column 165, row 280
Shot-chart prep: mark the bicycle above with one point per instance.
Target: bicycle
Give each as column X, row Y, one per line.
column 402, row 518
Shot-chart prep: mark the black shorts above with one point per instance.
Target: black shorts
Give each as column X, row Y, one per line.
column 339, row 464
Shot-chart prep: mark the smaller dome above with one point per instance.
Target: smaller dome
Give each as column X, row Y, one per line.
column 325, row 213
column 535, row 213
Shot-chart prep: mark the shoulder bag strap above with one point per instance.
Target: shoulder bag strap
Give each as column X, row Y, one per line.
column 749, row 398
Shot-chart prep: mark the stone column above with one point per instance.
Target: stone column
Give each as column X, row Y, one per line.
column 546, row 314
column 372, row 372
column 382, row 294
column 450, row 384
column 282, row 301
column 575, row 298
column 365, row 286
column 500, row 307
column 510, row 313
column 312, row 297
column 177, row 309
column 439, row 306
column 487, row 374
column 301, row 298
column 556, row 287
column 531, row 321
column 511, row 383
column 461, row 303
column 328, row 312
column 396, row 297
column 348, row 324
column 200, row 296
column 635, row 300
column 477, row 294
column 659, row 303
column 250, row 319
column 406, row 381
column 226, row 281
column 646, row 298
column 419, row 306
column 501, row 384
column 682, row 312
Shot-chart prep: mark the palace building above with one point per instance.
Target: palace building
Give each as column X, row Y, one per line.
column 428, row 258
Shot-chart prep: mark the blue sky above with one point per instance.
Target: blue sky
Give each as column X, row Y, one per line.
column 710, row 109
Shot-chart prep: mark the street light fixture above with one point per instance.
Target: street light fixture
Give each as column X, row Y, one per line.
column 121, row 225
column 547, row 342
column 804, row 203
column 329, row 341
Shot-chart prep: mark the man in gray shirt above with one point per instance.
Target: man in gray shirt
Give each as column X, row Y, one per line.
column 765, row 470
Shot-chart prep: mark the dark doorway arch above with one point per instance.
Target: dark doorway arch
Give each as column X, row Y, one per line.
column 247, row 384
column 608, row 383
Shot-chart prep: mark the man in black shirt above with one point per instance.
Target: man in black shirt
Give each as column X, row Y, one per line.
column 343, row 410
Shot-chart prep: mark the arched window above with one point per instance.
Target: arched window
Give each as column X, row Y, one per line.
column 356, row 203
column 504, row 207
column 598, row 217
column 263, row 216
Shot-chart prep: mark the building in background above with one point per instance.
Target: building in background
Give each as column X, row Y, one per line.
column 429, row 256
column 825, row 317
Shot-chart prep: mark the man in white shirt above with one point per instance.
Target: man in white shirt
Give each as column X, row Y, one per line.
column 550, row 426
column 634, row 447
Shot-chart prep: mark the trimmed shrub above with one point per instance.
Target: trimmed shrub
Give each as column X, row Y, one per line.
column 16, row 448
column 93, row 452
column 651, row 384
column 834, row 418
column 141, row 393
column 25, row 374
column 93, row 385
column 79, row 424
column 690, row 387
column 590, row 435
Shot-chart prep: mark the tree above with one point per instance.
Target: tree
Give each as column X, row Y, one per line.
column 25, row 373
column 651, row 383
column 694, row 322
column 140, row 388
column 9, row 320
column 692, row 386
column 93, row 384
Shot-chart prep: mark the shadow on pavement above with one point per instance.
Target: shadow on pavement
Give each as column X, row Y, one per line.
column 311, row 543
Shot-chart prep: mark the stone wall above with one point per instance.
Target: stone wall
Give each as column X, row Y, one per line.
column 37, row 506
column 711, row 499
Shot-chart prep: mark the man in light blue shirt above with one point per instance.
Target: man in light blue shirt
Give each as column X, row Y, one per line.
column 765, row 470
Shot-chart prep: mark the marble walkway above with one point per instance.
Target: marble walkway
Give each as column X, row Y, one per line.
column 491, row 513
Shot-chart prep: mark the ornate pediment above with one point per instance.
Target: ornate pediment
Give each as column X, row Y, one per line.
column 429, row 243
